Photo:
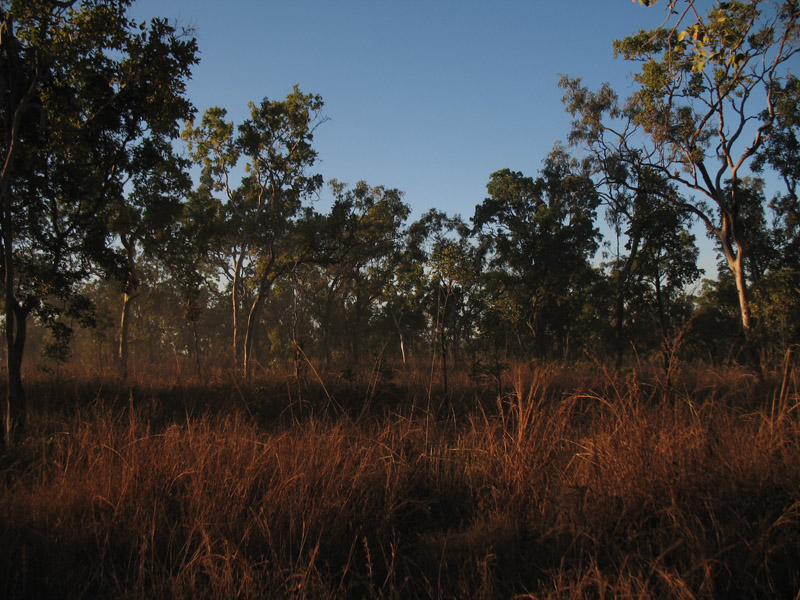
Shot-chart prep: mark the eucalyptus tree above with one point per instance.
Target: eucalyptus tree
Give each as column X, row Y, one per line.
column 666, row 266
column 188, row 258
column 260, row 212
column 640, row 204
column 707, row 98
column 403, row 293
column 453, row 269
column 778, row 297
column 82, row 88
column 362, row 235
column 146, row 217
column 540, row 235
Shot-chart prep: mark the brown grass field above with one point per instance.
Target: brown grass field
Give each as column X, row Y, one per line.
column 572, row 482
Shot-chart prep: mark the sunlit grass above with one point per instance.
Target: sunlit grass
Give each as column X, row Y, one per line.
column 570, row 484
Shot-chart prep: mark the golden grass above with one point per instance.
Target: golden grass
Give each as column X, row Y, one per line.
column 572, row 484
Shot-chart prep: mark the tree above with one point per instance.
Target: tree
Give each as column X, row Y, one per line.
column 454, row 266
column 260, row 213
column 667, row 265
column 707, row 99
column 402, row 295
column 187, row 258
column 541, row 234
column 361, row 238
column 145, row 217
column 777, row 302
column 79, row 85
column 641, row 205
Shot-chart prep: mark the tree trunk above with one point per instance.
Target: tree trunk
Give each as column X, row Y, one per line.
column 357, row 333
column 619, row 304
column 235, row 300
column 15, row 406
column 127, row 303
column 402, row 348
column 736, row 265
column 444, row 358
column 666, row 342
column 196, row 343
column 250, row 331
column 16, row 103
column 249, row 335
column 399, row 330
column 444, row 338
column 326, row 330
column 619, row 316
column 456, row 333
column 268, row 277
column 742, row 293
column 124, row 325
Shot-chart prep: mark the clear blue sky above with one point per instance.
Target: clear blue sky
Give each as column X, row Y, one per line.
column 430, row 97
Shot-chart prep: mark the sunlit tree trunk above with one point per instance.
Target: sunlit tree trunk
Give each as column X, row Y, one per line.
column 128, row 297
column 735, row 259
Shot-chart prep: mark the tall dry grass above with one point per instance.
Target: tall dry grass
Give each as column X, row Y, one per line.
column 573, row 483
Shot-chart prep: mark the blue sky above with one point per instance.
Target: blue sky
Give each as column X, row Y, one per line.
column 428, row 97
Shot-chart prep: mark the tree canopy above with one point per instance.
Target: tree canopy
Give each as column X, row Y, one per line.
column 90, row 103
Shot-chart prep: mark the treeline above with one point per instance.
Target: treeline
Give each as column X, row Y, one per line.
column 109, row 249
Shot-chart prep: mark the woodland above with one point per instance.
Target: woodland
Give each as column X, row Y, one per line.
column 215, row 389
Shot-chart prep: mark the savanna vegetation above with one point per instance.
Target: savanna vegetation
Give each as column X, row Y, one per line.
column 215, row 390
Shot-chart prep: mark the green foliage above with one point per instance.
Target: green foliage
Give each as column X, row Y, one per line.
column 655, row 257
column 713, row 90
column 541, row 235
column 361, row 255
column 90, row 102
column 260, row 235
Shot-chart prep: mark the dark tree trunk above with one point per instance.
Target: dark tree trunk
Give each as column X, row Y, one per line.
column 619, row 301
column 326, row 330
column 124, row 326
column 443, row 337
column 357, row 333
column 15, row 408
column 18, row 99
column 264, row 287
column 196, row 344
column 666, row 340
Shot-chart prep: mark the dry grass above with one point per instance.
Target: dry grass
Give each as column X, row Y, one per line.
column 573, row 484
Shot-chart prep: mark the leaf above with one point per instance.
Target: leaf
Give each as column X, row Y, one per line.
column 682, row 36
